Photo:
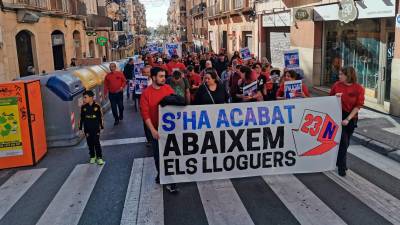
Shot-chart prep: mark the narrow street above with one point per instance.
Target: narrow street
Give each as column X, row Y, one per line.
column 64, row 189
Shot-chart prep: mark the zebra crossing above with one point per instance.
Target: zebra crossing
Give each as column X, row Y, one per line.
column 283, row 199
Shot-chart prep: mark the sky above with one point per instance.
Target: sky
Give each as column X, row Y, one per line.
column 156, row 12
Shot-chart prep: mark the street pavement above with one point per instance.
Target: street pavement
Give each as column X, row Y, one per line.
column 63, row 189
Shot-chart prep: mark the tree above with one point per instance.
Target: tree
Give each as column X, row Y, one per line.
column 163, row 31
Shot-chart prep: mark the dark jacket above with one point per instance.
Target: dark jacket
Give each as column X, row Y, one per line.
column 91, row 118
column 219, row 96
column 128, row 71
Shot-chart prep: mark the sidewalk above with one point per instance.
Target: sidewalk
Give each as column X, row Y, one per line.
column 377, row 131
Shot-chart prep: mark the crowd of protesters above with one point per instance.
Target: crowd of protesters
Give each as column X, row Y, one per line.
column 211, row 78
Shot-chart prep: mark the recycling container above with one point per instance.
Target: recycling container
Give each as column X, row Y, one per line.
column 90, row 81
column 101, row 74
column 62, row 99
column 22, row 133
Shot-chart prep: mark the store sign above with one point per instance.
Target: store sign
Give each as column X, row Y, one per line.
column 283, row 19
column 102, row 40
column 366, row 9
column 347, row 11
column 303, row 14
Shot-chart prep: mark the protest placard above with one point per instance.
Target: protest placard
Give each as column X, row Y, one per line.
column 152, row 49
column 291, row 59
column 245, row 53
column 250, row 89
column 173, row 49
column 293, row 89
column 225, row 141
column 137, row 68
column 140, row 84
column 131, row 86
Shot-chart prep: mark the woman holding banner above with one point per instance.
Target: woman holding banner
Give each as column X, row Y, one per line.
column 352, row 97
column 212, row 91
column 291, row 75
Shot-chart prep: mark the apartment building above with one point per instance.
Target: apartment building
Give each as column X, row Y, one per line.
column 231, row 25
column 332, row 33
column 44, row 35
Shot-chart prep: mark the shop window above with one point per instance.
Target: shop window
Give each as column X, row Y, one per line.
column 356, row 44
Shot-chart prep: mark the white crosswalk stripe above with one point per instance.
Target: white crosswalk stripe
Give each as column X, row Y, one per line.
column 15, row 187
column 222, row 204
column 377, row 199
column 151, row 206
column 129, row 214
column 70, row 201
column 302, row 203
column 377, row 160
column 144, row 200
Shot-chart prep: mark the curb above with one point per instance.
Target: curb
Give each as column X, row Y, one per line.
column 377, row 146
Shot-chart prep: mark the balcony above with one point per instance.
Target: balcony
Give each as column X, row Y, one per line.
column 95, row 22
column 29, row 4
column 198, row 9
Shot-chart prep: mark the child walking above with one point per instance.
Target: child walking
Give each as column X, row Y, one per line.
column 92, row 122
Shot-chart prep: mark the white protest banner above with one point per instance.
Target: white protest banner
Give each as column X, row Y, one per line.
column 245, row 53
column 250, row 89
column 223, row 141
column 293, row 89
column 140, row 84
column 173, row 49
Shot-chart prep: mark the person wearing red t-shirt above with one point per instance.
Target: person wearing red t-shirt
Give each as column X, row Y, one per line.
column 114, row 84
column 149, row 101
column 352, row 98
column 194, row 81
column 291, row 75
column 160, row 64
column 175, row 65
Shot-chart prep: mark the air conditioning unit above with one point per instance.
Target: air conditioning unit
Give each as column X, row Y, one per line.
column 24, row 16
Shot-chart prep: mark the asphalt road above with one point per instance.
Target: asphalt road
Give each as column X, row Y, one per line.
column 368, row 195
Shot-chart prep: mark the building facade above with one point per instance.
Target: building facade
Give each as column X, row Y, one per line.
column 231, row 25
column 330, row 34
column 42, row 36
column 198, row 29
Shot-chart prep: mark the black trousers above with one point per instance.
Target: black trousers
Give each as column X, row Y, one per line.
column 156, row 154
column 93, row 141
column 147, row 132
column 117, row 104
column 347, row 132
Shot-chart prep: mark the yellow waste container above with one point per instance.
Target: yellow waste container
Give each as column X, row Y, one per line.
column 101, row 74
column 90, row 81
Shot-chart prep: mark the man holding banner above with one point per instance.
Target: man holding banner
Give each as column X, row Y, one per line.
column 149, row 104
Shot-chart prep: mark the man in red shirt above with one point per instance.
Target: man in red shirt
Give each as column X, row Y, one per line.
column 114, row 84
column 175, row 65
column 149, row 101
